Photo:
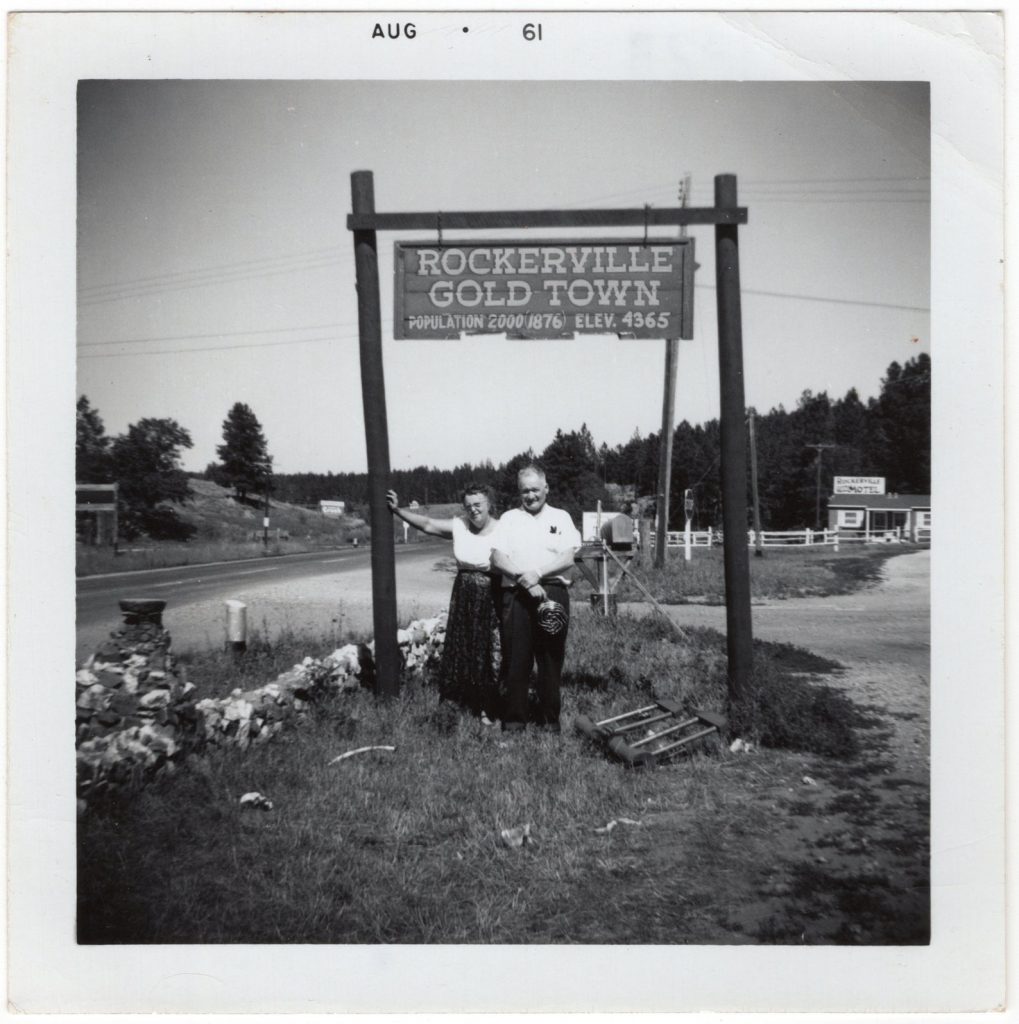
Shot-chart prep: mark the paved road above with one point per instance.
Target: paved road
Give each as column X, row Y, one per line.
column 859, row 830
column 319, row 592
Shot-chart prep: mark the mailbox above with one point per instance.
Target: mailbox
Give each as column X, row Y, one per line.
column 618, row 533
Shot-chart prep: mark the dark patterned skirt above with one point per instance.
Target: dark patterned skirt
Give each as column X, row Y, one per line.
column 469, row 671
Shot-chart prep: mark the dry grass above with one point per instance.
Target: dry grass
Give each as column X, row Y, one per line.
column 781, row 573
column 224, row 528
column 405, row 846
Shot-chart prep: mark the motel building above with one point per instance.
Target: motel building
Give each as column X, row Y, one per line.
column 860, row 506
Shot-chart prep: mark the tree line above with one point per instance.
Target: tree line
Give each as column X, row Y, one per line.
column 888, row 435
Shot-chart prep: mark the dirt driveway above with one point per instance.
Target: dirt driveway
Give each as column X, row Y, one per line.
column 847, row 859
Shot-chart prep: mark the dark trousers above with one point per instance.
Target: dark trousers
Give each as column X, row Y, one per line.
column 524, row 644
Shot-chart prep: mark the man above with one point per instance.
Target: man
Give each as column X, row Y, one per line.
column 533, row 548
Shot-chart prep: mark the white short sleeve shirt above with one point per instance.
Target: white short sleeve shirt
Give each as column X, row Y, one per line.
column 472, row 550
column 533, row 541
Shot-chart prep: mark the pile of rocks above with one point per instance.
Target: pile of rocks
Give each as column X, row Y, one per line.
column 137, row 714
column 133, row 701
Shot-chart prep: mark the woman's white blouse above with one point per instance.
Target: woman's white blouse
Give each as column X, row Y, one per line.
column 471, row 550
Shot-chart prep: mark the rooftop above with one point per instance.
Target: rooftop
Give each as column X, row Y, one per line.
column 880, row 501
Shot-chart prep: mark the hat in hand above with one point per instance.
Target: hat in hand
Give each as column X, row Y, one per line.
column 552, row 617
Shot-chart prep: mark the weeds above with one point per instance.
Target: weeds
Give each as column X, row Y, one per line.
column 216, row 672
column 404, row 846
column 782, row 573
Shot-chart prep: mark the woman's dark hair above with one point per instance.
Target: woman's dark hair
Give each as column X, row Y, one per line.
column 476, row 488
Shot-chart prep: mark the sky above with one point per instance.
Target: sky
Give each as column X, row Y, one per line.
column 215, row 266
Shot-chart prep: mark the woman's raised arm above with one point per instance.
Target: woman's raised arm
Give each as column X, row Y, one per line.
column 433, row 527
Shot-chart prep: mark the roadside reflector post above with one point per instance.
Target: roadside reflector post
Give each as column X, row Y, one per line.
column 236, row 626
column 376, row 431
column 739, row 634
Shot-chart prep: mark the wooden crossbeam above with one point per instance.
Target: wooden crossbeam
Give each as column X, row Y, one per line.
column 480, row 219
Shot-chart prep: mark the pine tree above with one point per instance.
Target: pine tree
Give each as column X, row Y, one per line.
column 92, row 463
column 246, row 462
column 573, row 471
column 902, row 417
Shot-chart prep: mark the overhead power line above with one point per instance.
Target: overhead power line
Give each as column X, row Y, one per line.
column 216, row 268
column 217, row 334
column 828, row 298
column 387, row 322
column 140, row 291
column 211, row 348
column 761, row 190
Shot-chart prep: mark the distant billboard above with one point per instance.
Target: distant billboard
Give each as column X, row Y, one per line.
column 859, row 485
column 332, row 509
column 641, row 289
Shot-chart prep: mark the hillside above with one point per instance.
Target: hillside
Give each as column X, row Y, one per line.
column 218, row 516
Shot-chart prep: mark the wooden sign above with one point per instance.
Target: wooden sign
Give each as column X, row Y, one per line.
column 641, row 289
column 95, row 497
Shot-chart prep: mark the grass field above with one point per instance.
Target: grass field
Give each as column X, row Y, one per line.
column 780, row 573
column 405, row 846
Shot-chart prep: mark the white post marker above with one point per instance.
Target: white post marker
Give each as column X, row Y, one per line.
column 688, row 511
column 236, row 626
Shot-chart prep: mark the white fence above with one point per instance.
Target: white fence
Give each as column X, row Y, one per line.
column 794, row 538
column 698, row 538
column 801, row 538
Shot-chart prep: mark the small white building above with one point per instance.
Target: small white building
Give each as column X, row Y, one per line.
column 907, row 515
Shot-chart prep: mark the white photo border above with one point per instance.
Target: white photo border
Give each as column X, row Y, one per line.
column 961, row 55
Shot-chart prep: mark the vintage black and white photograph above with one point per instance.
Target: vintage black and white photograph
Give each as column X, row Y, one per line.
column 503, row 507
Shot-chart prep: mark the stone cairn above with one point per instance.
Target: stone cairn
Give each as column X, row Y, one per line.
column 137, row 714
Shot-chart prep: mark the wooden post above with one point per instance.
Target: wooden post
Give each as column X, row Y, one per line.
column 645, row 540
column 739, row 634
column 376, row 431
column 758, row 546
column 665, row 449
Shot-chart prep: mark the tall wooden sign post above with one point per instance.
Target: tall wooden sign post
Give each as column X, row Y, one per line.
column 739, row 637
column 638, row 288
column 376, row 432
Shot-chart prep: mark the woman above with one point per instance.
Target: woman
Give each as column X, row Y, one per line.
column 469, row 671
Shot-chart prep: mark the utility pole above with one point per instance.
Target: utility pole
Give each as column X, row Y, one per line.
column 758, row 542
column 668, row 418
column 665, row 449
column 819, row 448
